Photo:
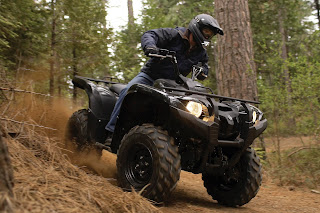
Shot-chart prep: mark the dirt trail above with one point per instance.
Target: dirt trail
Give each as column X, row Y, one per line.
column 191, row 196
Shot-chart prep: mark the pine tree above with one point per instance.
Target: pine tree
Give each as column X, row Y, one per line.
column 23, row 33
column 280, row 40
column 236, row 74
column 84, row 39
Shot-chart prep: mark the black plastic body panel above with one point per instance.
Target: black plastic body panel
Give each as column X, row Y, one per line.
column 163, row 106
column 101, row 104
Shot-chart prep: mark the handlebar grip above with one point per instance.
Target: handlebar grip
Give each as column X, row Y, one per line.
column 163, row 53
column 157, row 55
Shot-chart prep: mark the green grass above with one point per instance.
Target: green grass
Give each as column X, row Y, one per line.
column 298, row 167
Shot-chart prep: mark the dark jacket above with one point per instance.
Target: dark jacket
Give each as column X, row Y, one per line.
column 174, row 40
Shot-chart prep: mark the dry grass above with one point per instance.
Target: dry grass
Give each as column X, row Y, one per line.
column 45, row 180
column 6, row 202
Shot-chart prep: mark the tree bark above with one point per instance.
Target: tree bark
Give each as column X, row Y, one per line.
column 131, row 27
column 284, row 57
column 6, row 177
column 236, row 73
column 284, row 52
column 75, row 72
column 53, row 49
column 59, row 77
column 317, row 5
column 130, row 14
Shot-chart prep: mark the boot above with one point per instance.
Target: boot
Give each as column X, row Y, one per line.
column 108, row 137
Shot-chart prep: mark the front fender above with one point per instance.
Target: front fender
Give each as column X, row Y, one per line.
column 142, row 104
column 145, row 104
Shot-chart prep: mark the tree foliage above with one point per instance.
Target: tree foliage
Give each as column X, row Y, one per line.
column 65, row 37
column 84, row 44
column 86, row 38
column 22, row 25
column 300, row 41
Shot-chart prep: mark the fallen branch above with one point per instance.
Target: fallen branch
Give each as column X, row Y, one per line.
column 24, row 91
column 24, row 123
column 301, row 148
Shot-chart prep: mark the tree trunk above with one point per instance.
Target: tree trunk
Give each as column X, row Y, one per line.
column 284, row 51
column 284, row 57
column 131, row 28
column 53, row 49
column 6, row 177
column 236, row 73
column 130, row 14
column 75, row 72
column 59, row 77
column 317, row 5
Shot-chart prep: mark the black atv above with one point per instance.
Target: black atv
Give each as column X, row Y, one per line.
column 173, row 125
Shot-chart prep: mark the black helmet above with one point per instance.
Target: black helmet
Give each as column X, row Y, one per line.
column 200, row 25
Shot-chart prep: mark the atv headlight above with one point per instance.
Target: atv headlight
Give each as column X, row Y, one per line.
column 254, row 116
column 194, row 108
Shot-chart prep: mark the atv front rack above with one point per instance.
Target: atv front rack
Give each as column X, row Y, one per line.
column 209, row 95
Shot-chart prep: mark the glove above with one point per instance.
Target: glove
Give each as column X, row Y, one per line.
column 201, row 76
column 152, row 50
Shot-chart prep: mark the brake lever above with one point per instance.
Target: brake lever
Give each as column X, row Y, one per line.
column 196, row 71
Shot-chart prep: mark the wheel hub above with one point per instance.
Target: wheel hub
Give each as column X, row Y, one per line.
column 230, row 178
column 139, row 170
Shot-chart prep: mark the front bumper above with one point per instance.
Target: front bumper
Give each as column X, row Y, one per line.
column 209, row 131
column 191, row 126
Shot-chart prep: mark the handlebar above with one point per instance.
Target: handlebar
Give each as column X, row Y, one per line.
column 164, row 53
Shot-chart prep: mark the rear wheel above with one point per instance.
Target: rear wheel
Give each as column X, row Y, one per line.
column 148, row 161
column 238, row 185
column 77, row 129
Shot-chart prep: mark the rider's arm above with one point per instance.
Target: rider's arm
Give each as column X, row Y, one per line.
column 157, row 38
column 205, row 69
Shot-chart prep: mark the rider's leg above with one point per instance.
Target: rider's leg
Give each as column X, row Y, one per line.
column 141, row 78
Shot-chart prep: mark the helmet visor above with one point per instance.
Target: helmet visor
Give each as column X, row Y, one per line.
column 207, row 33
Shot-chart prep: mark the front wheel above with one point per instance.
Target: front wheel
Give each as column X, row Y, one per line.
column 238, row 185
column 148, row 161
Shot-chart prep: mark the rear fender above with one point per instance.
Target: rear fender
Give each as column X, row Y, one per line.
column 101, row 104
column 101, row 99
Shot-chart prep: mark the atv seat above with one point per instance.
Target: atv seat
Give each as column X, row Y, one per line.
column 165, row 83
column 117, row 88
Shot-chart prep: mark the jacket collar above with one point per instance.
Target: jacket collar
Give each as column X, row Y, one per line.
column 184, row 33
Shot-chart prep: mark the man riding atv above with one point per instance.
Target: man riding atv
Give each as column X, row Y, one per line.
column 190, row 47
column 163, row 122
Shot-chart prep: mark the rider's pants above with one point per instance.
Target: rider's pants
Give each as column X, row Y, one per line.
column 141, row 78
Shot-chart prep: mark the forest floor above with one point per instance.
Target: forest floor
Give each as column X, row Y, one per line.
column 91, row 186
column 191, row 196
